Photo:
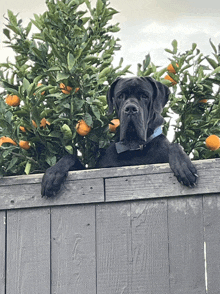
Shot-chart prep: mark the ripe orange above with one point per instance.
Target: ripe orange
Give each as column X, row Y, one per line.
column 34, row 124
column 203, row 101
column 113, row 127
column 76, row 90
column 24, row 144
column 44, row 122
column 167, row 77
column 212, row 142
column 65, row 89
column 7, row 140
column 12, row 100
column 22, row 129
column 171, row 69
column 82, row 128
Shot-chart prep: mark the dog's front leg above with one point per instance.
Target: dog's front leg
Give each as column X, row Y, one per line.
column 55, row 175
column 181, row 165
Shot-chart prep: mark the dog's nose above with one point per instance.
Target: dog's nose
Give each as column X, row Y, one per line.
column 131, row 109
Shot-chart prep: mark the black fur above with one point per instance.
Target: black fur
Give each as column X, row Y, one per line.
column 138, row 102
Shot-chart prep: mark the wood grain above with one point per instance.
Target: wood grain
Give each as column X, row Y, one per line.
column 2, row 250
column 73, row 250
column 113, row 248
column 186, row 246
column 212, row 239
column 150, row 263
column 73, row 192
column 28, row 251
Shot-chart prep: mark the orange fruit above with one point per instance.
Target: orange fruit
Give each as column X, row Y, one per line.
column 203, row 101
column 82, row 128
column 65, row 89
column 22, row 129
column 76, row 90
column 167, row 77
column 44, row 122
column 171, row 69
column 115, row 123
column 7, row 140
column 34, row 124
column 24, row 144
column 12, row 100
column 212, row 142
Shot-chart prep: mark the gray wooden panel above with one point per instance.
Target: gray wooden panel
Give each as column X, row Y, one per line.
column 2, row 250
column 159, row 185
column 73, row 250
column 29, row 195
column 150, row 271
column 28, row 251
column 212, row 239
column 186, row 246
column 113, row 249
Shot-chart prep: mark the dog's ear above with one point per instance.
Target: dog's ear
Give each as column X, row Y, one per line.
column 160, row 97
column 110, row 96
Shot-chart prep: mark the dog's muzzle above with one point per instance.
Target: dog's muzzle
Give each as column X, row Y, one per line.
column 133, row 127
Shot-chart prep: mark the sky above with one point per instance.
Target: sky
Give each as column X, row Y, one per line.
column 147, row 26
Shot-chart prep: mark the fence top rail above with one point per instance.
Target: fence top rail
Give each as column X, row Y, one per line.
column 109, row 184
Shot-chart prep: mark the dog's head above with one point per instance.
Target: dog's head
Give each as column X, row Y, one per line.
column 138, row 102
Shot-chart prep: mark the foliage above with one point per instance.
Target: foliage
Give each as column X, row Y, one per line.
column 74, row 45
column 195, row 99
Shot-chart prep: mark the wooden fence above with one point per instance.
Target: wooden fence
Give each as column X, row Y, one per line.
column 130, row 230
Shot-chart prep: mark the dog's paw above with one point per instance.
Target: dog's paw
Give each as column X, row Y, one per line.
column 52, row 181
column 182, row 167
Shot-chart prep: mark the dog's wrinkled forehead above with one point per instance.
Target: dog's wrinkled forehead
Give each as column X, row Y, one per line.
column 133, row 86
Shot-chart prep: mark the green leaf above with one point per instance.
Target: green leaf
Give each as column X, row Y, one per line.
column 69, row 149
column 26, row 84
column 7, row 33
column 212, row 62
column 99, row 7
column 169, row 51
column 104, row 72
column 88, row 119
column 51, row 160
column 174, row 44
column 67, row 133
column 12, row 163
column 12, row 18
column 70, row 60
column 62, row 76
column 213, row 46
column 27, row 168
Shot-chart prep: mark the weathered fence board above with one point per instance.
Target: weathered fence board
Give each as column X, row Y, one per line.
column 28, row 251
column 73, row 250
column 2, row 250
column 212, row 241
column 186, row 245
column 128, row 230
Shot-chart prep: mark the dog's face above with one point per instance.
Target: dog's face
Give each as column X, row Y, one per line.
column 138, row 102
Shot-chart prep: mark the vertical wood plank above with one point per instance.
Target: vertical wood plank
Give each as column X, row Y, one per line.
column 113, row 248
column 28, row 251
column 212, row 239
column 150, row 272
column 73, row 250
column 2, row 250
column 186, row 245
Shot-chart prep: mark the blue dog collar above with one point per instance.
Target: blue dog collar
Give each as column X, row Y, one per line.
column 120, row 147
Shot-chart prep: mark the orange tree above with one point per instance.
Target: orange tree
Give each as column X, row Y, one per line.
column 194, row 81
column 60, row 77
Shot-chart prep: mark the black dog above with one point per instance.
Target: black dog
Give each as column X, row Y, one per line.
column 138, row 101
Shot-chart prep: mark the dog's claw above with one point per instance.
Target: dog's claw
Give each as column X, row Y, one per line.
column 196, row 175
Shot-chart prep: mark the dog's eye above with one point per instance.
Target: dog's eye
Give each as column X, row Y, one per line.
column 122, row 96
column 143, row 96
